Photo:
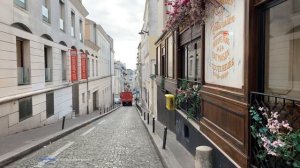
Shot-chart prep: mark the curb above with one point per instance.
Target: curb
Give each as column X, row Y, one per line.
column 27, row 149
column 159, row 151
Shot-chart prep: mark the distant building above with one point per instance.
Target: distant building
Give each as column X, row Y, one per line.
column 119, row 77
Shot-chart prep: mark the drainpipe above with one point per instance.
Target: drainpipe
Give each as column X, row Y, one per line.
column 87, row 86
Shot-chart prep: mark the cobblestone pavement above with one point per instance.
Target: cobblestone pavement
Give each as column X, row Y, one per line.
column 117, row 140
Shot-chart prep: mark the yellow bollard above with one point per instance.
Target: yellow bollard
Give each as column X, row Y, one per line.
column 170, row 102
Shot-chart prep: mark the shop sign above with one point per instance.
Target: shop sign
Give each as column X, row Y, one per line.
column 83, row 66
column 74, row 67
column 224, row 44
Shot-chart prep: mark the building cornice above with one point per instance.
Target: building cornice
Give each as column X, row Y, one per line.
column 78, row 5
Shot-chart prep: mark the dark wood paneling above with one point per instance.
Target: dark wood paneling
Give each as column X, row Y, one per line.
column 226, row 114
column 225, row 120
column 235, row 154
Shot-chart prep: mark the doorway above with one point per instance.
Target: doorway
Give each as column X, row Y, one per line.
column 75, row 98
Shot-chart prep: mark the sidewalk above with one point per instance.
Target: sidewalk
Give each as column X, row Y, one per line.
column 17, row 145
column 175, row 155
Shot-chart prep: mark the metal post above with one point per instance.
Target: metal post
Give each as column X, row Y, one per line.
column 148, row 118
column 165, row 138
column 153, row 125
column 63, row 123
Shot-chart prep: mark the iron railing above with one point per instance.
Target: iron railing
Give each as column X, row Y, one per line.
column 48, row 74
column 288, row 109
column 64, row 74
column 188, row 98
column 23, row 76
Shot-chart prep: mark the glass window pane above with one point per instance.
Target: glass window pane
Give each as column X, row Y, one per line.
column 25, row 108
column 282, row 51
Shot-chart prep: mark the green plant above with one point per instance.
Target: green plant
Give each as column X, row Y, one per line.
column 276, row 140
column 188, row 98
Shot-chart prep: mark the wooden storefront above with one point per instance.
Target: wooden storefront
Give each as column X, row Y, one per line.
column 234, row 57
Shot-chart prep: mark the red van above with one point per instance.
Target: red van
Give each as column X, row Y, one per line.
column 126, row 98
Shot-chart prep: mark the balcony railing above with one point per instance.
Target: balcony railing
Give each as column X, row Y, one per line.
column 274, row 121
column 23, row 76
column 80, row 37
column 188, row 98
column 45, row 13
column 72, row 31
column 48, row 74
column 64, row 75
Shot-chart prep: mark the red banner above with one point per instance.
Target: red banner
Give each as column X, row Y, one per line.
column 83, row 66
column 74, row 73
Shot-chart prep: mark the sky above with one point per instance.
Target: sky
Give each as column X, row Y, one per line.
column 122, row 20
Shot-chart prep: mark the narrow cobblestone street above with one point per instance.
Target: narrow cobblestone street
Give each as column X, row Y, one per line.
column 117, row 140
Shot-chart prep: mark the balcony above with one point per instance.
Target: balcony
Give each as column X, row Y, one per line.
column 45, row 13
column 61, row 24
column 23, row 76
column 188, row 98
column 274, row 128
column 48, row 75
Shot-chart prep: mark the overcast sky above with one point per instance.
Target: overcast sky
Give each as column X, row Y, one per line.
column 122, row 20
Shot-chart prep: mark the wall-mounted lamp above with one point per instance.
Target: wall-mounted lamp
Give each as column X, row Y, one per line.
column 143, row 32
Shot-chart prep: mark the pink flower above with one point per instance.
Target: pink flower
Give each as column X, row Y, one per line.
column 286, row 125
column 278, row 143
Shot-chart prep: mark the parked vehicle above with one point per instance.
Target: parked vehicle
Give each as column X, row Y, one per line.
column 126, row 98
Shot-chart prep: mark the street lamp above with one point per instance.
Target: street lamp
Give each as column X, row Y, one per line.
column 143, row 32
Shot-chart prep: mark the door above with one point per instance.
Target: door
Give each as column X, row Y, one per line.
column 75, row 98
column 95, row 101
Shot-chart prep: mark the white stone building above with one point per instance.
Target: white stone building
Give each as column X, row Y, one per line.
column 147, row 54
column 35, row 71
column 118, row 78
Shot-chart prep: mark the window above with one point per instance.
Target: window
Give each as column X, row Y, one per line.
column 95, row 33
column 64, row 65
column 72, row 24
column 88, row 65
column 23, row 61
column 48, row 63
column 62, row 15
column 97, row 68
column 25, row 108
column 93, row 68
column 83, row 97
column 186, row 131
column 21, row 3
column 191, row 60
column 46, row 10
column 281, row 51
column 49, row 104
column 170, row 57
column 158, row 60
column 163, row 61
column 81, row 30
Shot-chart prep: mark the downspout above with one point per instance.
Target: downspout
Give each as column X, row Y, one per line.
column 87, row 86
